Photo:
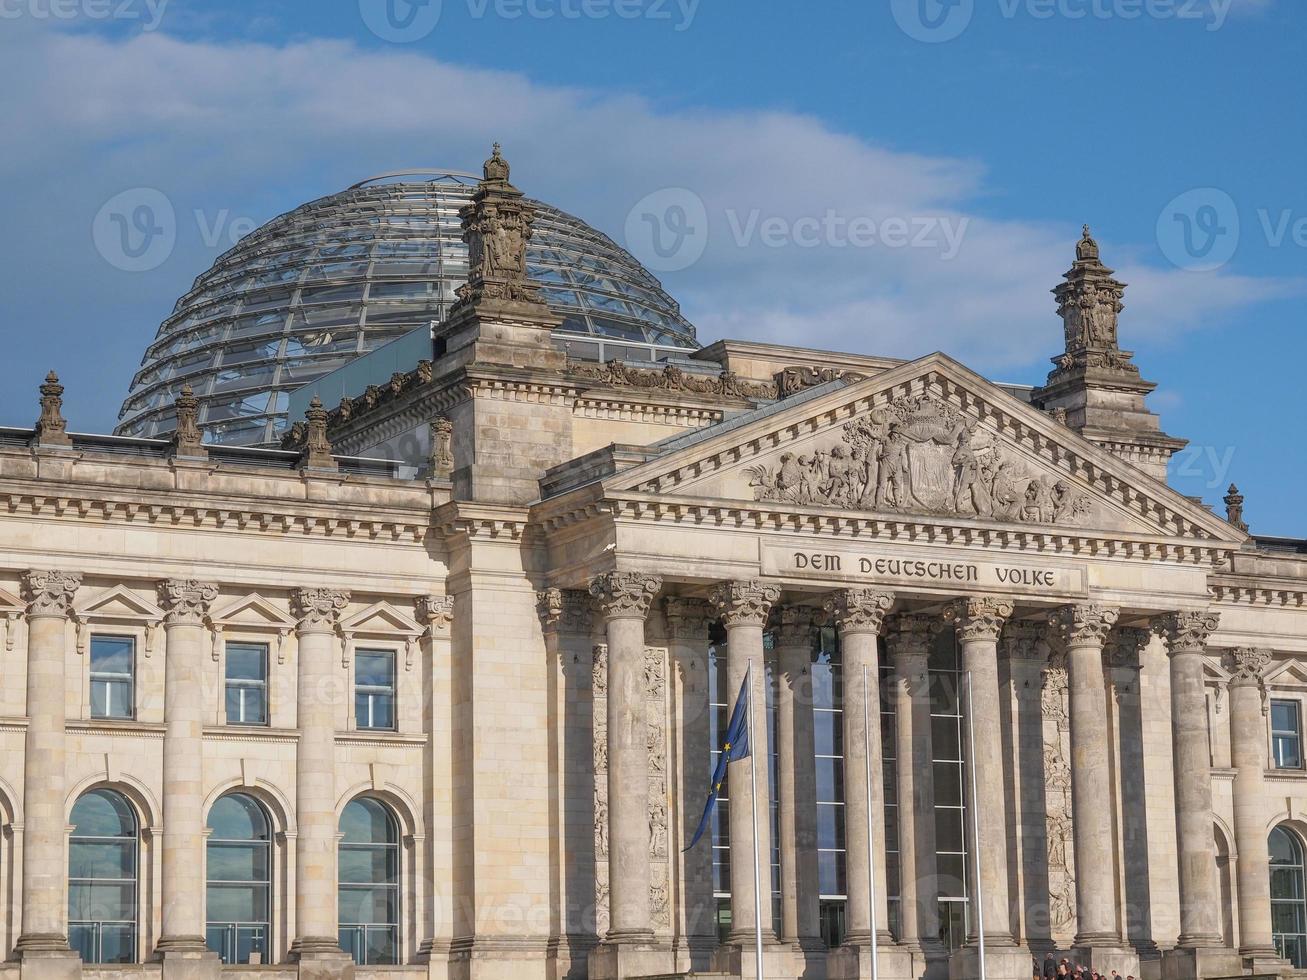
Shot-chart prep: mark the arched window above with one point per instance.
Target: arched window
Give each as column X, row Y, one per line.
column 1288, row 897
column 369, row 882
column 240, row 879
column 102, row 857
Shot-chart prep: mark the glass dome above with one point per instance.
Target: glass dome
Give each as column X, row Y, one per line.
column 338, row 277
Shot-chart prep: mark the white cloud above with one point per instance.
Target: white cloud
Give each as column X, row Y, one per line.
column 248, row 129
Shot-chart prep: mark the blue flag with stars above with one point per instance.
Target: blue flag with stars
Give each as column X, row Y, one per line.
column 735, row 746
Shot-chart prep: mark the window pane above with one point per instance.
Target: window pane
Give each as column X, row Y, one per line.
column 368, row 905
column 238, row 862
column 238, row 817
column 101, row 859
column 102, row 901
column 102, row 813
column 112, row 654
column 246, row 662
column 374, row 669
column 1284, row 716
column 237, row 903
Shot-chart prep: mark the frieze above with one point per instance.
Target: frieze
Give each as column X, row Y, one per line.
column 794, row 380
column 918, row 455
column 618, row 374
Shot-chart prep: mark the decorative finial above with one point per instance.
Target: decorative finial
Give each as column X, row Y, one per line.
column 51, row 427
column 187, row 440
column 496, row 168
column 1087, row 248
column 1234, row 509
column 317, row 449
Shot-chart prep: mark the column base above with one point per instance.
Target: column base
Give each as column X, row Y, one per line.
column 1264, row 961
column 1002, row 962
column 1200, row 963
column 321, row 958
column 852, row 961
column 738, row 959
column 1105, row 958
column 49, row 964
column 808, row 956
column 183, row 960
column 619, row 959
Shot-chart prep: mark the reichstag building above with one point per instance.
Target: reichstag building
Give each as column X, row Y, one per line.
column 396, row 630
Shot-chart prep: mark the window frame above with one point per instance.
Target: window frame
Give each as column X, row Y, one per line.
column 95, row 677
column 1278, row 735
column 135, row 878
column 374, row 690
column 395, row 887
column 1297, row 955
column 243, row 685
column 268, row 846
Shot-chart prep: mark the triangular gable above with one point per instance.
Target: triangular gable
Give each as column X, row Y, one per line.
column 382, row 620
column 928, row 438
column 1288, row 673
column 253, row 612
column 117, row 605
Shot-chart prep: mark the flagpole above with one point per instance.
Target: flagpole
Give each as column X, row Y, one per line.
column 871, row 836
column 757, row 872
column 977, row 889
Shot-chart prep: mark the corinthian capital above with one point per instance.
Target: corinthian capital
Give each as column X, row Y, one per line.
column 186, row 601
column 859, row 610
column 979, row 617
column 1086, row 624
column 50, row 592
column 910, row 634
column 318, row 610
column 625, row 595
column 1247, row 664
column 687, row 619
column 745, row 603
column 1187, row 631
column 436, row 612
column 793, row 625
column 1125, row 647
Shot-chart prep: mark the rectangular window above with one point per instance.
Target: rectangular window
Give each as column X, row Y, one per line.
column 112, row 661
column 247, row 684
column 1286, row 734
column 374, row 689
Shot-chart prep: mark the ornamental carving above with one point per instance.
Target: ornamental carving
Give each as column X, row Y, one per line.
column 1054, row 702
column 793, row 626
column 599, row 672
column 910, row 635
column 745, row 603
column 497, row 226
column 437, row 612
column 617, row 374
column 687, row 619
column 186, row 601
column 1085, row 624
column 1187, row 631
column 318, row 610
column 50, row 592
column 187, row 440
column 52, row 427
column 859, row 610
column 793, row 380
column 442, row 445
column 564, row 610
column 1125, row 648
column 918, row 455
column 1247, row 664
column 625, row 595
column 660, row 898
column 653, row 674
column 979, row 618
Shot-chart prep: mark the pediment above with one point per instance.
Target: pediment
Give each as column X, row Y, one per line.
column 1288, row 673
column 10, row 603
column 929, row 440
column 253, row 612
column 118, row 603
column 380, row 619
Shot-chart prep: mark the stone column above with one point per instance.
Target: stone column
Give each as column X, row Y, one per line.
column 744, row 607
column 623, row 599
column 43, row 944
column 796, row 785
column 687, row 637
column 979, row 621
column 320, row 693
column 1248, row 748
column 182, row 940
column 909, row 647
column 1200, row 941
column 1085, row 628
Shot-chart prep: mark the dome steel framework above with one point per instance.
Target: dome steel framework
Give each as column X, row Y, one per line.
column 321, row 285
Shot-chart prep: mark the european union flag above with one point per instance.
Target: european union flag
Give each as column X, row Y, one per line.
column 736, row 746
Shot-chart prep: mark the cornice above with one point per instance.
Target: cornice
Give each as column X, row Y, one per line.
column 1243, row 591
column 481, row 521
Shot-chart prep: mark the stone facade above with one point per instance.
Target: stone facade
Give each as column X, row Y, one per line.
column 582, row 544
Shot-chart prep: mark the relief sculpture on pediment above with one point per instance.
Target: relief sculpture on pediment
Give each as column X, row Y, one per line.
column 917, row 455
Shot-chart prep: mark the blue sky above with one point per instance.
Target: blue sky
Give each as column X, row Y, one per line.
column 988, row 130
